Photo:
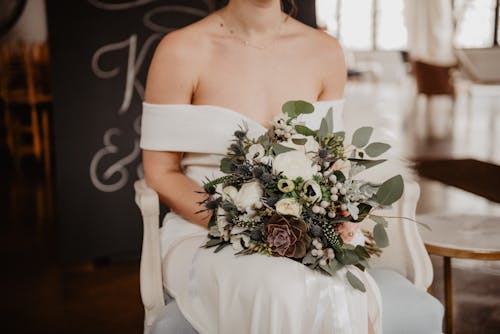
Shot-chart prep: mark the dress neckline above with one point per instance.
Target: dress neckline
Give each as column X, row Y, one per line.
column 232, row 111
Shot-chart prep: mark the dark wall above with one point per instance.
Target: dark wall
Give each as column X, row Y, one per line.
column 100, row 53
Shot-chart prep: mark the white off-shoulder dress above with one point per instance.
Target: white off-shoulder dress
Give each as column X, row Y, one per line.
column 227, row 294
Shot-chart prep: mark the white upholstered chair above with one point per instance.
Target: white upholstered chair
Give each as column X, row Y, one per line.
column 403, row 273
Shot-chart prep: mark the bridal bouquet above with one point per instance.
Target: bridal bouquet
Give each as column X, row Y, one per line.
column 291, row 191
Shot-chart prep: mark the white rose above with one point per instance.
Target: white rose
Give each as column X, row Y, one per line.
column 255, row 152
column 249, row 196
column 288, row 206
column 311, row 146
column 293, row 164
column 230, row 193
column 312, row 191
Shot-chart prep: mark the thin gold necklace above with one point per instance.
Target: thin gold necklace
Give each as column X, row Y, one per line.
column 246, row 42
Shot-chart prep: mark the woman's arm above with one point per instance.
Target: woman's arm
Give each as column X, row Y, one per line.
column 172, row 79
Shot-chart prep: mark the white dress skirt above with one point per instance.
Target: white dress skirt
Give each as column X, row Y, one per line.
column 227, row 294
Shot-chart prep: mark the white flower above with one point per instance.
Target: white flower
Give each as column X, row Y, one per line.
column 289, row 207
column 311, row 191
column 267, row 160
column 236, row 241
column 294, row 164
column 255, row 152
column 222, row 223
column 248, row 196
column 279, row 121
column 310, row 147
column 230, row 193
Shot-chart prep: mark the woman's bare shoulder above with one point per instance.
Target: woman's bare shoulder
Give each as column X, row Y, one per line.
column 315, row 40
column 187, row 42
column 329, row 61
column 177, row 62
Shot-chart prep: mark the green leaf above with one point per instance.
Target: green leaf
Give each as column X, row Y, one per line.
column 375, row 149
column 340, row 176
column 212, row 221
column 361, row 136
column 295, row 108
column 220, row 247
column 380, row 236
column 390, row 191
column 349, row 257
column 299, row 141
column 364, row 209
column 225, row 165
column 367, row 163
column 332, row 267
column 304, row 130
column 329, row 119
column 323, row 129
column 355, row 282
column 379, row 220
column 278, row 149
column 213, row 242
column 361, row 251
column 309, row 259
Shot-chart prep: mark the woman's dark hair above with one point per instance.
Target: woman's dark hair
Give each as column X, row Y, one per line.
column 291, row 5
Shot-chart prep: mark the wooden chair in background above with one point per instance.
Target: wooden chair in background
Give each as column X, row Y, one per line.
column 432, row 81
column 24, row 85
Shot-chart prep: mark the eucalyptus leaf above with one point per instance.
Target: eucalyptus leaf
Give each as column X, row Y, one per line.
column 367, row 163
column 390, row 191
column 278, row 149
column 309, row 259
column 329, row 119
column 379, row 220
column 362, row 252
column 375, row 149
column 355, row 282
column 349, row 257
column 295, row 108
column 361, row 136
column 380, row 236
column 363, row 210
column 299, row 141
column 304, row 130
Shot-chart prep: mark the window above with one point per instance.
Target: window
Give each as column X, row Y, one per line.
column 364, row 24
column 475, row 23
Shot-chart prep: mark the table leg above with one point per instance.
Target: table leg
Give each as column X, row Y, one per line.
column 448, row 295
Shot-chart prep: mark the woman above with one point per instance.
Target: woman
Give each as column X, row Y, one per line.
column 240, row 64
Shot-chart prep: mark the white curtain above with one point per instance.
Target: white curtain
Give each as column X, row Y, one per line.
column 430, row 31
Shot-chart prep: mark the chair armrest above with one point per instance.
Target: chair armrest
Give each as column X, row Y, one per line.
column 150, row 272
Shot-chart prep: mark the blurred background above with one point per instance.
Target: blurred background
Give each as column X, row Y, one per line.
column 72, row 77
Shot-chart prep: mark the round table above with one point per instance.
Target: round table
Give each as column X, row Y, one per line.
column 460, row 236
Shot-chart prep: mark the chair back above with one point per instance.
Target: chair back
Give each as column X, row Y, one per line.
column 433, row 79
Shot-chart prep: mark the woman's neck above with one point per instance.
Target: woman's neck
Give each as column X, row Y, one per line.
column 254, row 18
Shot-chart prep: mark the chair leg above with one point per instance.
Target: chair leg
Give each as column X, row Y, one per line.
column 46, row 145
column 35, row 131
column 9, row 128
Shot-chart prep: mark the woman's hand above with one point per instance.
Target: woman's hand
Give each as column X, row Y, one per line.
column 348, row 231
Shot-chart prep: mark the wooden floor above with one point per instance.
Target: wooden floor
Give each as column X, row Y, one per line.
column 42, row 296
